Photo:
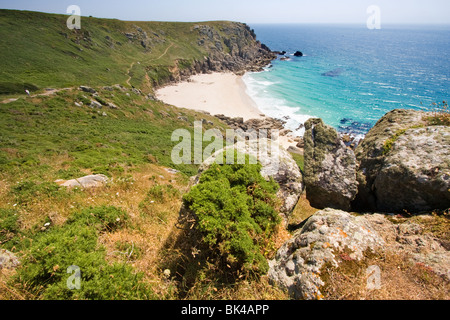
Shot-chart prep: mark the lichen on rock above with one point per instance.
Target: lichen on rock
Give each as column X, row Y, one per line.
column 297, row 266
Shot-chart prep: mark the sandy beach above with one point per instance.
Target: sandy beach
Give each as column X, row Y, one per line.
column 216, row 93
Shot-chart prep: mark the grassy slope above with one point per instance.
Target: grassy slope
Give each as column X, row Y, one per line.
column 45, row 138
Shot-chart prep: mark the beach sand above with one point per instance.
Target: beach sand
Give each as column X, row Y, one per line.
column 216, row 93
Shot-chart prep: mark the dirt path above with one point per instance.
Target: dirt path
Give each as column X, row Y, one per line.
column 53, row 91
column 165, row 52
column 48, row 92
column 128, row 73
column 132, row 65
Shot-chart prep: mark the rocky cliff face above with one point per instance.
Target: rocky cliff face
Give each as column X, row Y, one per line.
column 402, row 164
column 231, row 47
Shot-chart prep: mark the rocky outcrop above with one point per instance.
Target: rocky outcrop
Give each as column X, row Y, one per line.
column 330, row 168
column 276, row 163
column 404, row 165
column 230, row 47
column 297, row 266
column 331, row 236
column 265, row 123
column 146, row 39
column 87, row 89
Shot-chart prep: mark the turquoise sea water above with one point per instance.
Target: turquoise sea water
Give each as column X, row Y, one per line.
column 351, row 76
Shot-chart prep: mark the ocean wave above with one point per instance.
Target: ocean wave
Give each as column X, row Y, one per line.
column 392, row 101
column 275, row 107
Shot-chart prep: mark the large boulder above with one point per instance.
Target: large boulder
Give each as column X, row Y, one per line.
column 404, row 165
column 330, row 168
column 87, row 182
column 298, row 264
column 331, row 237
column 276, row 163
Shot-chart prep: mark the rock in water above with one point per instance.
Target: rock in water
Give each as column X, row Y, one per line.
column 333, row 73
column 298, row 54
column 330, row 168
column 404, row 165
column 87, row 182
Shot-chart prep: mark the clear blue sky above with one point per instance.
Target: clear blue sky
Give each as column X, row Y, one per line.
column 250, row 11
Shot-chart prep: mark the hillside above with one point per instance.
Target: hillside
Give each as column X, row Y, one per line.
column 42, row 52
column 115, row 128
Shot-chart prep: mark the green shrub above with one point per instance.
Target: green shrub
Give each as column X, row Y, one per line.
column 71, row 173
column 44, row 270
column 234, row 209
column 85, row 100
column 12, row 87
column 102, row 218
column 162, row 193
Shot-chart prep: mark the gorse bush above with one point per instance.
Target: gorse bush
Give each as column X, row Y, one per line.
column 44, row 270
column 234, row 210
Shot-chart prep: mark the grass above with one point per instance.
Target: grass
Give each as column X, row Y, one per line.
column 300, row 160
column 441, row 114
column 32, row 129
column 43, row 52
column 400, row 279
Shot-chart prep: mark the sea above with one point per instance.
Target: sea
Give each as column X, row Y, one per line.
column 349, row 75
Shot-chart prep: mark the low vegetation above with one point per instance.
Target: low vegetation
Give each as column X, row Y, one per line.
column 234, row 211
column 44, row 271
column 399, row 279
column 441, row 114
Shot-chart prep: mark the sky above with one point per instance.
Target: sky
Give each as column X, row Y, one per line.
column 249, row 11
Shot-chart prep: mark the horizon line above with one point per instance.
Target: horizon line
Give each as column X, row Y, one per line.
column 246, row 22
